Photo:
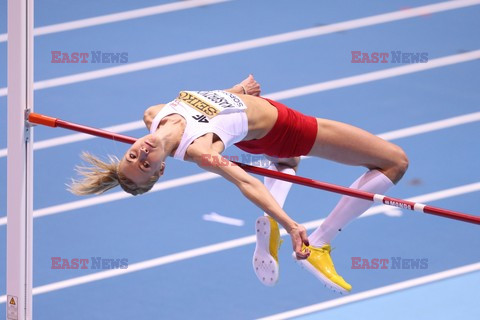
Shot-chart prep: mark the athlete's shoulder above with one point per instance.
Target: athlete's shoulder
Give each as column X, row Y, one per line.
column 150, row 113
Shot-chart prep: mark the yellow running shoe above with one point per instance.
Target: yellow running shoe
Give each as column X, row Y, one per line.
column 320, row 264
column 265, row 257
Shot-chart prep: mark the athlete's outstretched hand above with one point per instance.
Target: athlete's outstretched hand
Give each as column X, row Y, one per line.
column 298, row 235
column 251, row 86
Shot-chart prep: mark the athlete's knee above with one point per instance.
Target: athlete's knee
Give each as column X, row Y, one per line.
column 283, row 163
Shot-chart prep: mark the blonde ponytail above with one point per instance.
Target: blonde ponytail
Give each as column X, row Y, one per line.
column 101, row 176
column 97, row 178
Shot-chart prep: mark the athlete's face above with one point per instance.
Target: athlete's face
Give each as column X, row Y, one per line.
column 143, row 160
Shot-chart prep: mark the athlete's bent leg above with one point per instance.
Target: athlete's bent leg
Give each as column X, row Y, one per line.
column 353, row 146
column 350, row 145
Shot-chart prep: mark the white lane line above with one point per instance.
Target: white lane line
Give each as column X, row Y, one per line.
column 226, row 245
column 392, row 135
column 379, row 75
column 376, row 292
column 393, row 212
column 92, row 201
column 431, row 126
column 120, row 16
column 254, row 43
column 300, row 91
column 215, row 217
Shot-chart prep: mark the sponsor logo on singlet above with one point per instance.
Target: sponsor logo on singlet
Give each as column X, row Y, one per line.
column 210, row 103
column 199, row 104
column 223, row 99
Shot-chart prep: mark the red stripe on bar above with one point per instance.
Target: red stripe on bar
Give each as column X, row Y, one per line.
column 451, row 214
column 307, row 182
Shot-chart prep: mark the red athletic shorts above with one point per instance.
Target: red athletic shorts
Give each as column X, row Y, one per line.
column 292, row 135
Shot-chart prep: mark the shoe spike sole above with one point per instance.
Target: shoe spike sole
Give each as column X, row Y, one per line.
column 265, row 266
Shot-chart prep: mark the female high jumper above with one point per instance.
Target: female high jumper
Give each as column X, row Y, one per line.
column 199, row 125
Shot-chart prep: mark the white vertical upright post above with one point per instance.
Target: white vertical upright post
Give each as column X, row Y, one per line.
column 19, row 160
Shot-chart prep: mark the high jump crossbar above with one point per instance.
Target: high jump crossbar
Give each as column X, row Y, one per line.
column 409, row 205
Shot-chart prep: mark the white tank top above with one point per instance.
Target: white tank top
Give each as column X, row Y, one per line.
column 220, row 112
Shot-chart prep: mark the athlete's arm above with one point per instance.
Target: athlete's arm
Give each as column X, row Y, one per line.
column 254, row 190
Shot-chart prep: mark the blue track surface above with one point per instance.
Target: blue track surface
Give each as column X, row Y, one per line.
column 221, row 284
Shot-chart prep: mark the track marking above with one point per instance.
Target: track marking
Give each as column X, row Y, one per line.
column 378, row 75
column 394, row 212
column 254, row 43
column 119, row 195
column 226, row 245
column 215, row 217
column 376, row 292
column 117, row 17
column 92, row 201
column 431, row 126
